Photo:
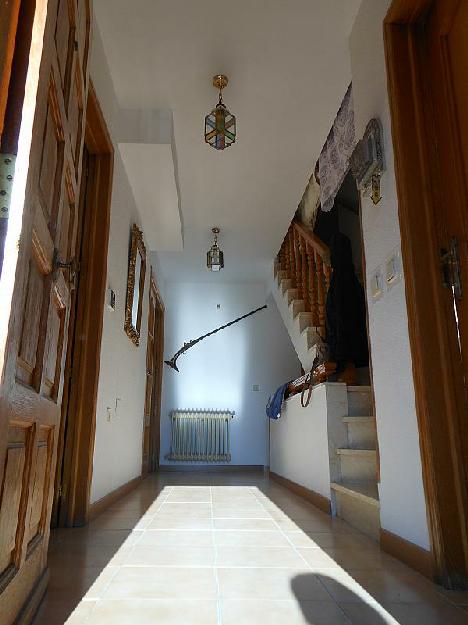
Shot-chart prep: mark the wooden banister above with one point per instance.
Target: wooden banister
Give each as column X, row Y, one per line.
column 306, row 260
column 313, row 240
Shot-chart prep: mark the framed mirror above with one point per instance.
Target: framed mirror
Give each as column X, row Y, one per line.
column 135, row 284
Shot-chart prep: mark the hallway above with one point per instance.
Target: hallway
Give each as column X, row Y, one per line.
column 230, row 548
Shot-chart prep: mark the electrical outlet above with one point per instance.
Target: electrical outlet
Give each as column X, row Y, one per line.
column 255, row 387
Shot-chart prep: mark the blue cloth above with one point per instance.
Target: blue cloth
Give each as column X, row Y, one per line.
column 273, row 407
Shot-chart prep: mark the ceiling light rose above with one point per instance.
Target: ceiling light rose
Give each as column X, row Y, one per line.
column 214, row 256
column 220, row 124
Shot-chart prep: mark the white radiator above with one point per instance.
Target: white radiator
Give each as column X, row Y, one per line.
column 200, row 435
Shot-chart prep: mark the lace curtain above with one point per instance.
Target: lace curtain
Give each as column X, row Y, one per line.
column 334, row 158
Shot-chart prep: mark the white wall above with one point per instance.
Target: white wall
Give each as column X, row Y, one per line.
column 303, row 441
column 220, row 371
column 118, row 442
column 402, row 502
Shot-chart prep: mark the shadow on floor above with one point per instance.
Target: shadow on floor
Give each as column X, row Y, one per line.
column 356, row 607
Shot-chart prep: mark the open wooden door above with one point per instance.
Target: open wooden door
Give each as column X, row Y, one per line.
column 36, row 345
column 154, row 362
column 427, row 60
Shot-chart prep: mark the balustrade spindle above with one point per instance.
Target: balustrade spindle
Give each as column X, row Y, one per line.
column 297, row 264
column 281, row 256
column 305, row 275
column 286, row 254
column 320, row 293
column 313, row 285
column 327, row 274
column 291, row 267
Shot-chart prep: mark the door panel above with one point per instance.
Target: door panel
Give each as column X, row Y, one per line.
column 12, row 489
column 31, row 393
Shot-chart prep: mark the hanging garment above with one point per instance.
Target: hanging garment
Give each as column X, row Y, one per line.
column 346, row 331
column 273, row 407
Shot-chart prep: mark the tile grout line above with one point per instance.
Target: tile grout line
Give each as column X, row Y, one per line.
column 215, row 570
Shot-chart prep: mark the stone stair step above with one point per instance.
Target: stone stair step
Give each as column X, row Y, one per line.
column 311, row 336
column 281, row 275
column 364, row 491
column 359, row 401
column 362, row 432
column 292, row 294
column 358, row 504
column 357, row 464
column 304, row 319
column 285, row 284
column 297, row 306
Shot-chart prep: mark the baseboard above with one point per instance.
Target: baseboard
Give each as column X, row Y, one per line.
column 414, row 556
column 215, row 468
column 319, row 501
column 96, row 508
column 31, row 606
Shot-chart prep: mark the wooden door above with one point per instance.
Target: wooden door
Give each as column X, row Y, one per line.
column 153, row 380
column 31, row 389
column 427, row 60
column 446, row 51
column 9, row 10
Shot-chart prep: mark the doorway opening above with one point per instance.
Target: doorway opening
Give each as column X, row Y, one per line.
column 154, row 371
column 345, row 218
column 77, row 430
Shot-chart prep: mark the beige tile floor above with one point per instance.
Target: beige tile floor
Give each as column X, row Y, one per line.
column 231, row 549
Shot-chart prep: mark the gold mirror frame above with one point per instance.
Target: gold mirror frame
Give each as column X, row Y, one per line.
column 137, row 247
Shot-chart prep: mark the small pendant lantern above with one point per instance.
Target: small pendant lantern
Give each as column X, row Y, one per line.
column 214, row 256
column 220, row 124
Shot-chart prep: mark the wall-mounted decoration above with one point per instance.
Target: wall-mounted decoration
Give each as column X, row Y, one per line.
column 220, row 124
column 333, row 162
column 367, row 162
column 135, row 285
column 186, row 346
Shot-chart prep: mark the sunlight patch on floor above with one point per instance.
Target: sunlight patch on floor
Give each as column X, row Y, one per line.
column 231, row 555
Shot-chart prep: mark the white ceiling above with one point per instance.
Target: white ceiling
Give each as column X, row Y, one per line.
column 288, row 68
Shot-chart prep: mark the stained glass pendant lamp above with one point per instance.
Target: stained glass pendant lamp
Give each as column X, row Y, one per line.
column 214, row 256
column 220, row 124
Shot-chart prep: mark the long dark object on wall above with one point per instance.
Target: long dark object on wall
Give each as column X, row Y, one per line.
column 173, row 361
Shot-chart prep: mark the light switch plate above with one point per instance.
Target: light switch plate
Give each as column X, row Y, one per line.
column 255, row 387
column 393, row 269
column 376, row 284
column 111, row 299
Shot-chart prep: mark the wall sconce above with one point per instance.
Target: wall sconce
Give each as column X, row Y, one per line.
column 367, row 162
column 214, row 256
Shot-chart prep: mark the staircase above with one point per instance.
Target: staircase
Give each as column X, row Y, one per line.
column 299, row 323
column 301, row 278
column 355, row 493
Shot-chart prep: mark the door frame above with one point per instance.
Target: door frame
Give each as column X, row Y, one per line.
column 83, row 371
column 439, row 397
column 155, row 428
